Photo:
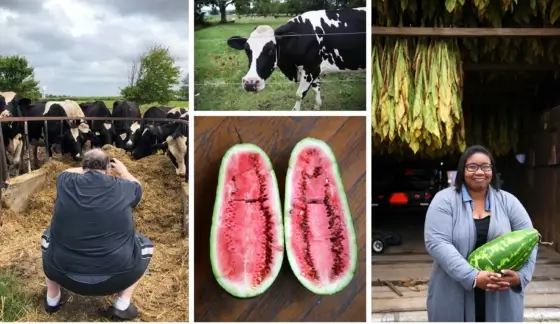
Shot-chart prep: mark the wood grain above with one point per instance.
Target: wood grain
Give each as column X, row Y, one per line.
column 465, row 32
column 286, row 300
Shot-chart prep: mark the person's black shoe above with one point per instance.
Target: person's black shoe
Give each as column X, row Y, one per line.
column 52, row 309
column 126, row 315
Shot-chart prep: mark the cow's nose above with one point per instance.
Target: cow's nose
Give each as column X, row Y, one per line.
column 251, row 84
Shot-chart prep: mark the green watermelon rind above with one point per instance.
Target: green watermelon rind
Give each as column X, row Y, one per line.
column 276, row 210
column 344, row 280
column 496, row 256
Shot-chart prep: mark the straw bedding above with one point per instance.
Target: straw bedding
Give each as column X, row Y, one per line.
column 161, row 296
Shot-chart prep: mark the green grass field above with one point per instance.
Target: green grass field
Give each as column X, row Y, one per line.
column 109, row 102
column 219, row 69
column 14, row 302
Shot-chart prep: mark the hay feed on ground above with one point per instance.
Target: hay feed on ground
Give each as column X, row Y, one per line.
column 161, row 296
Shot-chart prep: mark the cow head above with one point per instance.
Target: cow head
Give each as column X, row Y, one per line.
column 134, row 136
column 73, row 140
column 261, row 50
column 145, row 142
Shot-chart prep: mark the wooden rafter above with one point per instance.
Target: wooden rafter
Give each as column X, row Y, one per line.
column 465, row 32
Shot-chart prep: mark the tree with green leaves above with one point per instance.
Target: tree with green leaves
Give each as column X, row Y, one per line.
column 152, row 77
column 18, row 76
column 183, row 92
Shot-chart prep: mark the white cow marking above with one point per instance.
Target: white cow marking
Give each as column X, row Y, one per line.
column 123, row 136
column 175, row 110
column 8, row 96
column 134, row 127
column 75, row 133
column 107, row 126
column 257, row 40
column 178, row 148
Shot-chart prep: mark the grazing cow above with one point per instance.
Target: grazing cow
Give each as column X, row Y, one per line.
column 5, row 99
column 103, row 129
column 150, row 135
column 126, row 128
column 71, row 135
column 152, row 112
column 307, row 47
column 174, row 135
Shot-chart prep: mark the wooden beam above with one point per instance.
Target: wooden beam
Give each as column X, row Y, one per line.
column 465, row 32
column 511, row 67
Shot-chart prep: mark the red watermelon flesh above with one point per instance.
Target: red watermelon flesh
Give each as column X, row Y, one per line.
column 320, row 237
column 247, row 235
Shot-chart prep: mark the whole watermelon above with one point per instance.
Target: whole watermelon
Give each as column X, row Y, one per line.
column 509, row 251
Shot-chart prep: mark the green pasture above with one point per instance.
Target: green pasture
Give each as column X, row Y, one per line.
column 15, row 303
column 219, row 69
column 109, row 102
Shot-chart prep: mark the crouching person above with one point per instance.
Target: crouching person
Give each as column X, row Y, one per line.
column 91, row 247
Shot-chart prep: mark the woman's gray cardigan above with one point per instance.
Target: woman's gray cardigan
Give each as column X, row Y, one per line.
column 450, row 236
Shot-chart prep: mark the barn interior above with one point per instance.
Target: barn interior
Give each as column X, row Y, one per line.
column 509, row 102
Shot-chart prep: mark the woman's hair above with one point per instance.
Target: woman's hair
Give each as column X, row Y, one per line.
column 470, row 151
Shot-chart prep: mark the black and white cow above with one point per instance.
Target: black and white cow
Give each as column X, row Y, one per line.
column 307, row 47
column 70, row 135
column 103, row 129
column 5, row 99
column 126, row 128
column 153, row 134
column 175, row 143
column 141, row 146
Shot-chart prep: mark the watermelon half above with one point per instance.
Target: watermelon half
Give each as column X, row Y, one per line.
column 246, row 239
column 319, row 231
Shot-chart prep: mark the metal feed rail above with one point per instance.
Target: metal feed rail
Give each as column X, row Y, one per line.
column 4, row 160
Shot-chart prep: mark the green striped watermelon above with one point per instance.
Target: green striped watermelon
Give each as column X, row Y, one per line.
column 509, row 251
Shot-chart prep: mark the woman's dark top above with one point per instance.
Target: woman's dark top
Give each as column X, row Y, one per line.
column 482, row 226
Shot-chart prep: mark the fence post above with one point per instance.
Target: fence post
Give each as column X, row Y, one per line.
column 3, row 169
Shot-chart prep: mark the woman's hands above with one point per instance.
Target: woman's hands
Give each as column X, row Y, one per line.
column 491, row 281
column 512, row 277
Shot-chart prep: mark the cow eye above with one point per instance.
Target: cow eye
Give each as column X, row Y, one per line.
column 271, row 51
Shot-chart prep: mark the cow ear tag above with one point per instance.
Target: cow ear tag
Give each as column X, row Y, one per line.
column 160, row 151
column 97, row 133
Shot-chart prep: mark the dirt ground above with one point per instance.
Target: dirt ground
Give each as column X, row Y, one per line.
column 162, row 295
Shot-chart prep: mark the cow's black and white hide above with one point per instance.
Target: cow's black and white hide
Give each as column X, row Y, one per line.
column 70, row 135
column 140, row 147
column 125, row 129
column 175, row 144
column 104, row 130
column 307, row 47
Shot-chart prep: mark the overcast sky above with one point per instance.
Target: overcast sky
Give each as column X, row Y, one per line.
column 85, row 47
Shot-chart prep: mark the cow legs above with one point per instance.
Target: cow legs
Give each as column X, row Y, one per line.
column 18, row 154
column 317, row 88
column 302, row 89
column 36, row 156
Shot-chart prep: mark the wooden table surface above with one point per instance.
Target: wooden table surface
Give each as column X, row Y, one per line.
column 286, row 300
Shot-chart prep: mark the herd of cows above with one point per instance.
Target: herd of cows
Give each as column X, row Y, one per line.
column 140, row 138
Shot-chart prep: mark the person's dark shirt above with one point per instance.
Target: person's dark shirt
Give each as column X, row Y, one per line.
column 92, row 229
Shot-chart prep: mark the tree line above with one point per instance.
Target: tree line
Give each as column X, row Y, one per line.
column 151, row 78
column 270, row 7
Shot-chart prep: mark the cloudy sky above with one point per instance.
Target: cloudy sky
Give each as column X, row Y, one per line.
column 85, row 47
